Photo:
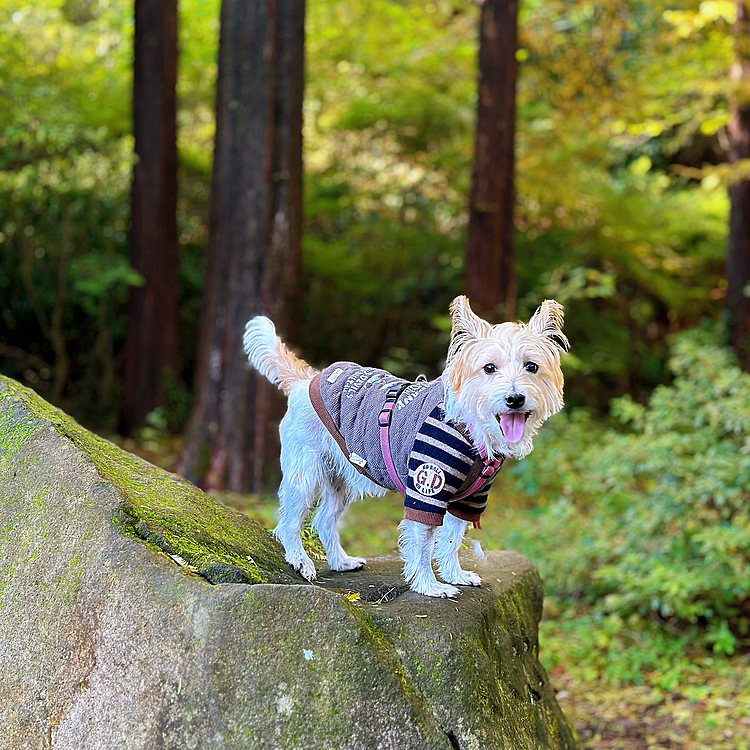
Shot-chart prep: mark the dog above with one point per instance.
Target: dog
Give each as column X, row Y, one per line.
column 351, row 431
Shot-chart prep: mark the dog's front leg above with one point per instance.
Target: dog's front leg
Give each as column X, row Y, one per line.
column 449, row 540
column 416, row 544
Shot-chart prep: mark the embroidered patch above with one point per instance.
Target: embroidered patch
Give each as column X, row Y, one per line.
column 429, row 479
column 355, row 458
column 334, row 376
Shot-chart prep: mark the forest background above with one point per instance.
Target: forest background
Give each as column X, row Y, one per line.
column 635, row 501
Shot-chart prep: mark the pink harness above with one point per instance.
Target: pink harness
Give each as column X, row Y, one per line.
column 491, row 466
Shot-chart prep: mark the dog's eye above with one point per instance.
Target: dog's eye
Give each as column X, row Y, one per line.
column 531, row 367
column 490, row 368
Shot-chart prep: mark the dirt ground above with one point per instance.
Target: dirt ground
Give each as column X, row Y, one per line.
column 714, row 713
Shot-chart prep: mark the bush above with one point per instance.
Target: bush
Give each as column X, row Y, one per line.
column 650, row 526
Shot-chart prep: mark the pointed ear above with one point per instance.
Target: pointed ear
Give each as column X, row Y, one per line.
column 465, row 327
column 548, row 321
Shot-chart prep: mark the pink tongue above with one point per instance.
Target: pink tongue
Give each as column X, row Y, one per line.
column 512, row 425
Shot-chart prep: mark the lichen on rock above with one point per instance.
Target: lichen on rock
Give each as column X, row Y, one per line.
column 161, row 508
column 108, row 638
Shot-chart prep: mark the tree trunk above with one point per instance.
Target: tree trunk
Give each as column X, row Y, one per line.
column 255, row 225
column 490, row 280
column 738, row 250
column 151, row 348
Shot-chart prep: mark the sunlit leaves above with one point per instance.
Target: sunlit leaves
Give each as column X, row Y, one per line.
column 656, row 519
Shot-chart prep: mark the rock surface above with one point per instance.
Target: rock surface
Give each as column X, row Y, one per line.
column 137, row 613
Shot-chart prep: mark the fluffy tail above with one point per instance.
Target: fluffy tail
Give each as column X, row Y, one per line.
column 270, row 357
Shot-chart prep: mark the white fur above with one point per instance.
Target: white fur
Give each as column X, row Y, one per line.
column 416, row 545
column 316, row 472
column 449, row 539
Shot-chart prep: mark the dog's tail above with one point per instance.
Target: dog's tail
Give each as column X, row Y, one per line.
column 270, row 357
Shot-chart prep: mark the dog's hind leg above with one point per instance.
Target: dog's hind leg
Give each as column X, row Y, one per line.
column 295, row 499
column 332, row 504
column 416, row 544
column 449, row 539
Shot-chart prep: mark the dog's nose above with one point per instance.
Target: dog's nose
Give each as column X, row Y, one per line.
column 515, row 400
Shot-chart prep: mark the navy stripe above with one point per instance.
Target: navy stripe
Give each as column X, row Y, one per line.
column 420, row 457
column 411, row 502
column 439, row 454
column 449, row 438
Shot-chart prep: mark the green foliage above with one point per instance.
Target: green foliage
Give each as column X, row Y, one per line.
column 65, row 171
column 649, row 528
column 618, row 106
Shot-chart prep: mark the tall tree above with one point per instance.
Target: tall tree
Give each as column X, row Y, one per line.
column 738, row 250
column 151, row 349
column 254, row 236
column 490, row 280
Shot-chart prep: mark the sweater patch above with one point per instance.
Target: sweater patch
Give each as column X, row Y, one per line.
column 334, row 376
column 429, row 479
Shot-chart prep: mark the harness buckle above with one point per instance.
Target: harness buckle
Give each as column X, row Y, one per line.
column 392, row 394
column 388, row 414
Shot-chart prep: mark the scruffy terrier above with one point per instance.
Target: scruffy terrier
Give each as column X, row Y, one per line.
column 352, row 431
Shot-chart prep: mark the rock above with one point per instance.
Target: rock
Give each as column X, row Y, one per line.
column 136, row 612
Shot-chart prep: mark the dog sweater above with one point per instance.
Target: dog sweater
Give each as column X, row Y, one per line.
column 433, row 458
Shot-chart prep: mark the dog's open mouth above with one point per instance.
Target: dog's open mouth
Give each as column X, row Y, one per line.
column 512, row 424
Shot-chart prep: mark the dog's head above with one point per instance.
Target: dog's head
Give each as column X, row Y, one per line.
column 504, row 381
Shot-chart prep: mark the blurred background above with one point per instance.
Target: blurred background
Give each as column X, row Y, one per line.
column 348, row 167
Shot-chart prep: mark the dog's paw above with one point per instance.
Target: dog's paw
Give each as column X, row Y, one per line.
column 349, row 563
column 438, row 590
column 304, row 566
column 451, row 572
column 468, row 578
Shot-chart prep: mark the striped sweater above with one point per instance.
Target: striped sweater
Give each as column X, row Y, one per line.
column 434, row 459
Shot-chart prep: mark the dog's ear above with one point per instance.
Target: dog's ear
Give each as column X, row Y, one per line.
column 548, row 321
column 465, row 327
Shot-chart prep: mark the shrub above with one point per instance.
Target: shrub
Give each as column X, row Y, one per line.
column 650, row 523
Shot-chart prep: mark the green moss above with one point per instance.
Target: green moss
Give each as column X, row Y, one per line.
column 383, row 647
column 14, row 431
column 162, row 509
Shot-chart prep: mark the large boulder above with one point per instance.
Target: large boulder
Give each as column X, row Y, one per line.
column 136, row 612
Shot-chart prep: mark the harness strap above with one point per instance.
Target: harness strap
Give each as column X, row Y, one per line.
column 384, row 421
column 490, row 468
column 316, row 400
column 482, row 470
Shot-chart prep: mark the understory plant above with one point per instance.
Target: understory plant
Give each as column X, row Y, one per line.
column 646, row 527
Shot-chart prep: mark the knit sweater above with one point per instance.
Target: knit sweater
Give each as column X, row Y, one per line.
column 433, row 458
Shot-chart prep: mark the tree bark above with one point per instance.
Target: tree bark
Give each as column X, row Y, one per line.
column 738, row 249
column 255, row 225
column 151, row 348
column 490, row 280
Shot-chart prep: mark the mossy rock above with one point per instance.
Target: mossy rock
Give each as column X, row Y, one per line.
column 136, row 612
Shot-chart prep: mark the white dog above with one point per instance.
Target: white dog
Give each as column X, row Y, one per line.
column 352, row 431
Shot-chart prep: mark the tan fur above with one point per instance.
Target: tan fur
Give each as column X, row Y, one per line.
column 509, row 346
column 292, row 369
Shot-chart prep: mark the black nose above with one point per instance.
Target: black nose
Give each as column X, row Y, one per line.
column 515, row 400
